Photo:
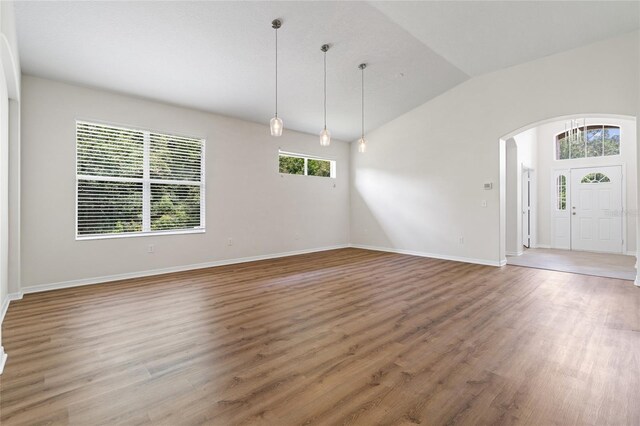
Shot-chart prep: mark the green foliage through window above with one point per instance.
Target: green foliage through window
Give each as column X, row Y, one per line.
column 561, row 194
column 291, row 165
column 119, row 170
column 595, row 178
column 295, row 164
column 594, row 141
column 319, row 168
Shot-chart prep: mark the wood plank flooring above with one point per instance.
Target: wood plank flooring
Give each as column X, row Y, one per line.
column 340, row 337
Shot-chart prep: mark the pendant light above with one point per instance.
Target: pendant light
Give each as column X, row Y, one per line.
column 276, row 122
column 325, row 135
column 362, row 142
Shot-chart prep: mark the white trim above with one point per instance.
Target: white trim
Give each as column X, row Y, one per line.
column 126, row 276
column 637, row 281
column 514, row 253
column 146, row 185
column 5, row 303
column 136, row 128
column 595, row 116
column 3, row 359
column 433, row 255
column 141, row 234
column 542, row 246
column 301, row 155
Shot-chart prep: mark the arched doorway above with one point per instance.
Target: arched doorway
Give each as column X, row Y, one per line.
column 553, row 215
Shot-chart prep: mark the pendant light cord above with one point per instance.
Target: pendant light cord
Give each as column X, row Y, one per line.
column 276, row 72
column 362, row 69
column 325, row 90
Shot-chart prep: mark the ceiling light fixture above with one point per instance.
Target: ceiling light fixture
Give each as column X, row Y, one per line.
column 362, row 143
column 325, row 135
column 574, row 133
column 276, row 122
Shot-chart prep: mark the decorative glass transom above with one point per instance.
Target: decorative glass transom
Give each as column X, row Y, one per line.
column 588, row 141
column 595, row 178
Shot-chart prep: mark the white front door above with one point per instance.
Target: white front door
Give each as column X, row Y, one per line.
column 596, row 209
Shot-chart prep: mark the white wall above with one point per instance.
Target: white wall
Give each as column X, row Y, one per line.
column 547, row 164
column 513, row 198
column 9, row 99
column 419, row 187
column 246, row 198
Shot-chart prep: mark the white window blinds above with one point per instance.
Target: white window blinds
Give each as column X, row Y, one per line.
column 137, row 182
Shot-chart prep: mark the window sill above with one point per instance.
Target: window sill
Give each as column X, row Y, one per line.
column 140, row 234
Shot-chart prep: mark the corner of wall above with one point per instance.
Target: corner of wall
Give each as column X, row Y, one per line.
column 3, row 359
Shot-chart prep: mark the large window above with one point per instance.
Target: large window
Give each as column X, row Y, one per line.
column 598, row 141
column 137, row 182
column 299, row 164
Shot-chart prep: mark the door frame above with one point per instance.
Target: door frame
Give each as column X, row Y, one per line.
column 527, row 224
column 623, row 212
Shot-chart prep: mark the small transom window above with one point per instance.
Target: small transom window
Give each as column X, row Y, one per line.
column 300, row 164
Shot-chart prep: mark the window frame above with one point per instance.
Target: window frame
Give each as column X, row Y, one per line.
column 603, row 126
column 146, row 181
column 306, row 158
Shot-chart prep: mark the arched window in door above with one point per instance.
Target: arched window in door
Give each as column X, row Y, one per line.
column 595, row 178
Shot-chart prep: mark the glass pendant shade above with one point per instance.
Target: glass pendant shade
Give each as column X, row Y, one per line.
column 276, row 126
column 325, row 138
column 362, row 145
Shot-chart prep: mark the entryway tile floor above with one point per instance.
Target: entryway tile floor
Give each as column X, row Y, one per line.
column 579, row 262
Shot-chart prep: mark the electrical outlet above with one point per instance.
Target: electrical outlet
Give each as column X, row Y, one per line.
column 461, row 240
column 150, row 248
column 230, row 241
column 484, row 203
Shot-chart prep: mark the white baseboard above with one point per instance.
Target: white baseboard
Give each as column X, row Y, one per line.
column 637, row 281
column 126, row 276
column 5, row 303
column 542, row 246
column 3, row 359
column 433, row 255
column 514, row 253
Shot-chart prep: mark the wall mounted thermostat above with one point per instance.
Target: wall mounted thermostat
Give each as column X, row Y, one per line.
column 488, row 185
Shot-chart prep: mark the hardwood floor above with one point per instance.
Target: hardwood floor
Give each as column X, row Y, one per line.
column 341, row 337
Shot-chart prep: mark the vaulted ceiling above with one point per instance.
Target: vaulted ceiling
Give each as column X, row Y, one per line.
column 219, row 56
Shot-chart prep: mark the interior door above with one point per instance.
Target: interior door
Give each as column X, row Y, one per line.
column 526, row 209
column 596, row 209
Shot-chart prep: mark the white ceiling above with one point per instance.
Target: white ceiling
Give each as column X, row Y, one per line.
column 218, row 56
column 483, row 36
